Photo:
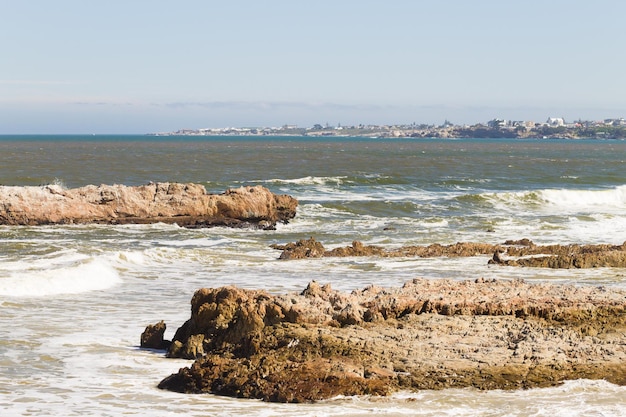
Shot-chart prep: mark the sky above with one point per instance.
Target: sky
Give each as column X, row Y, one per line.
column 144, row 66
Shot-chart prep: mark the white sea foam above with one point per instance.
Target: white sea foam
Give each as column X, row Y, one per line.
column 329, row 194
column 599, row 228
column 37, row 261
column 309, row 180
column 560, row 201
column 610, row 199
column 194, row 243
column 90, row 275
column 572, row 399
column 132, row 257
column 561, row 215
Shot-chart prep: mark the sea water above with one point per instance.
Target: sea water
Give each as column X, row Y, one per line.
column 75, row 299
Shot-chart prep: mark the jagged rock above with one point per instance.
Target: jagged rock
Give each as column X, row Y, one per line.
column 301, row 249
column 518, row 253
column 276, row 379
column 187, row 205
column 193, row 347
column 566, row 256
column 357, row 249
column 152, row 337
column 311, row 248
column 459, row 249
column 521, row 242
column 429, row 334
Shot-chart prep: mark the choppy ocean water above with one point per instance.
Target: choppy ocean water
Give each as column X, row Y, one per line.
column 75, row 299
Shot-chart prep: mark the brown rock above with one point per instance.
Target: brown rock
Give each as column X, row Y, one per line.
column 187, row 205
column 568, row 256
column 152, row 337
column 519, row 253
column 193, row 347
column 357, row 249
column 497, row 258
column 521, row 242
column 312, row 249
column 429, row 334
column 275, row 379
column 301, row 249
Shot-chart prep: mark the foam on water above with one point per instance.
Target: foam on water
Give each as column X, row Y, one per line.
column 132, row 257
column 586, row 200
column 550, row 215
column 385, row 193
column 599, row 228
column 573, row 398
column 309, row 180
column 88, row 275
column 561, row 200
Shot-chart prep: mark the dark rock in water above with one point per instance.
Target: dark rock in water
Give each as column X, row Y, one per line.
column 521, row 242
column 277, row 378
column 429, row 334
column 187, row 205
column 357, row 249
column 309, row 248
column 497, row 257
column 152, row 337
column 518, row 253
column 566, row 256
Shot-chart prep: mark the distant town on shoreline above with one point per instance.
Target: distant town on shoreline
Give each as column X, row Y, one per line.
column 553, row 127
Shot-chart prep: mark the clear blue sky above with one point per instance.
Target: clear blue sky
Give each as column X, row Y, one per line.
column 137, row 66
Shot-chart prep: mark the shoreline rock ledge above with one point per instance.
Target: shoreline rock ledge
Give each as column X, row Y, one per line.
column 188, row 205
column 428, row 334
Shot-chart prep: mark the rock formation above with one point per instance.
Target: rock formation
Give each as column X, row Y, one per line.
column 152, row 337
column 187, row 205
column 311, row 248
column 565, row 256
column 429, row 334
column 518, row 253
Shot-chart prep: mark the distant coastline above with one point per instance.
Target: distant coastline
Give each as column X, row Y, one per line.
column 496, row 128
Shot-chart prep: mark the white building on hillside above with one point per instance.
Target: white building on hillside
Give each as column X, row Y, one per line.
column 555, row 121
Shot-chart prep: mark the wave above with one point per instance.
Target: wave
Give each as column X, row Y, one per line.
column 610, row 198
column 309, row 180
column 463, row 184
column 563, row 200
column 89, row 275
column 364, row 179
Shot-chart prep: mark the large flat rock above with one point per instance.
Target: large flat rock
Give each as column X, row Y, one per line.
column 429, row 334
column 187, row 205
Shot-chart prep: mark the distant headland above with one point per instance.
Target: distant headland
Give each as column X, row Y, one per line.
column 553, row 127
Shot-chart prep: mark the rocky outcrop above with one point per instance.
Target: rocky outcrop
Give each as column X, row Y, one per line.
column 512, row 253
column 152, row 337
column 187, row 205
column 311, row 248
column 564, row 256
column 429, row 334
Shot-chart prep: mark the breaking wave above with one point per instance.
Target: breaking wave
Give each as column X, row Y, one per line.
column 564, row 200
column 310, row 180
column 610, row 198
column 90, row 275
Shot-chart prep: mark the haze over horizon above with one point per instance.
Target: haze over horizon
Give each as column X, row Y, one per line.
column 146, row 66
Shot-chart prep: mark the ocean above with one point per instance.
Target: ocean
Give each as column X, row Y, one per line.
column 74, row 299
